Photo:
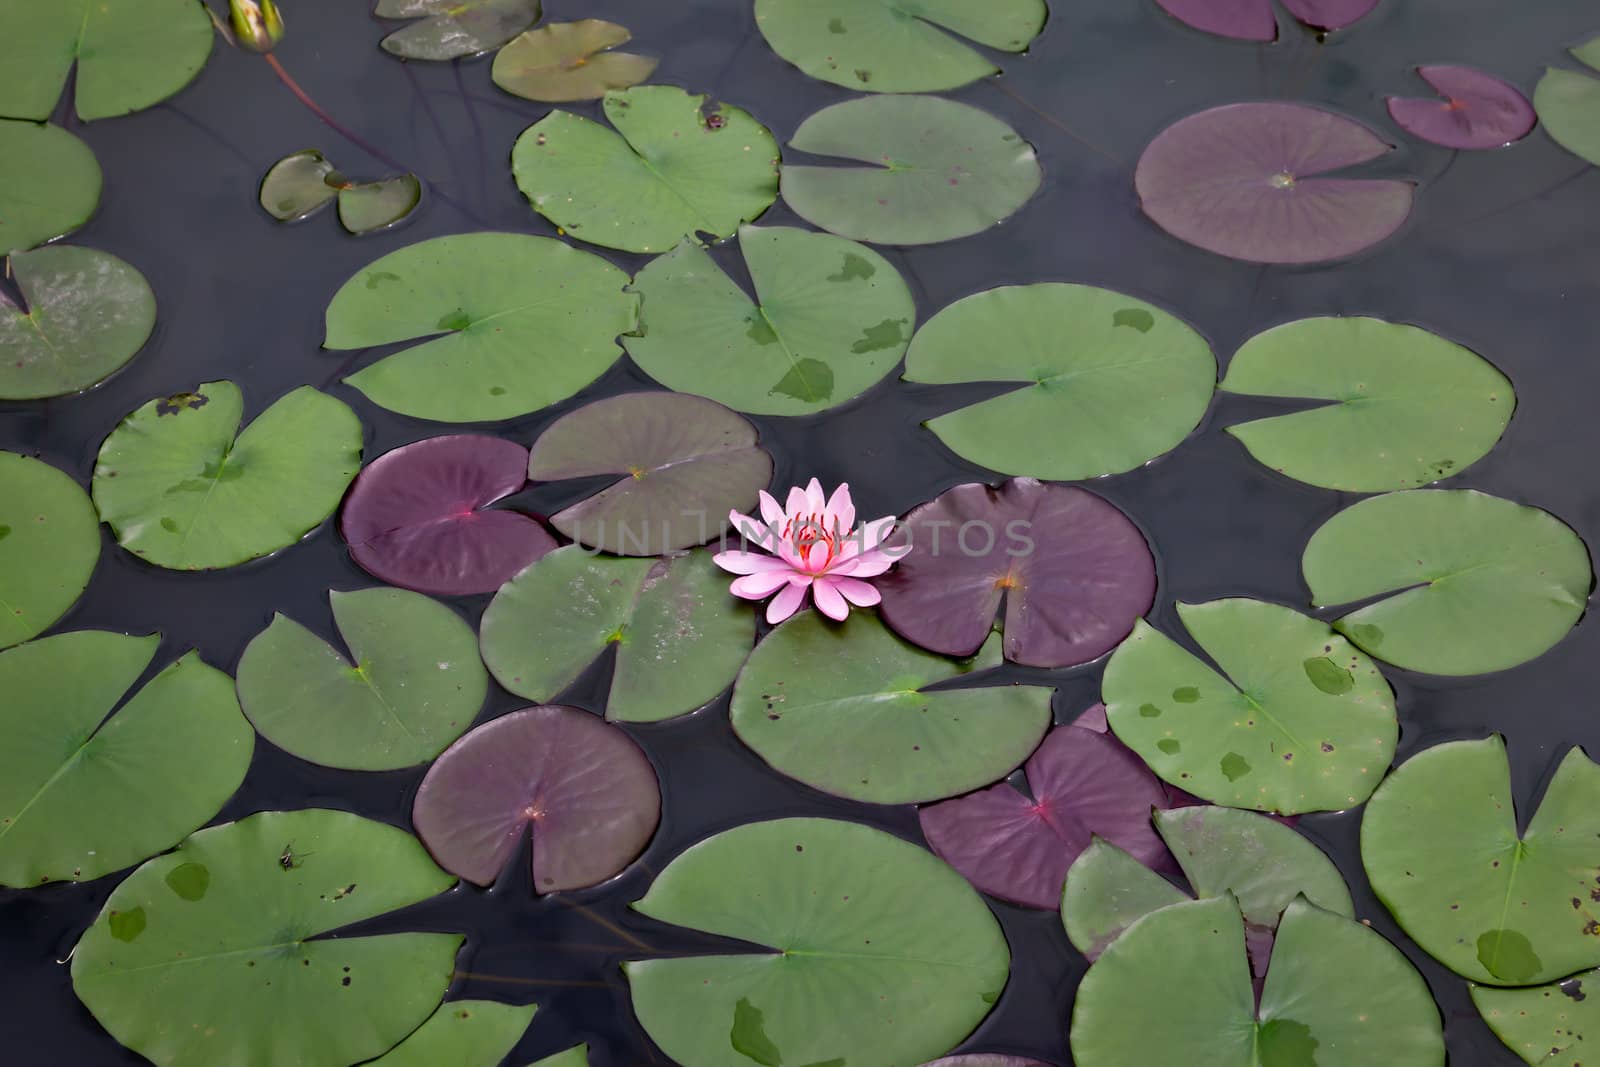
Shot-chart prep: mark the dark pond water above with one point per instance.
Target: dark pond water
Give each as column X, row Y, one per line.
column 1503, row 254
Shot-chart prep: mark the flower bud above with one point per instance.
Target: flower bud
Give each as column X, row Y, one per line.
column 257, row 26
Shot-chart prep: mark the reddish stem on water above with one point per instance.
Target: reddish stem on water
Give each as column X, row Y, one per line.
column 305, row 98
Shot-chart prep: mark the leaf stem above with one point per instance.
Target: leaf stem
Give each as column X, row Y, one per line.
column 327, row 119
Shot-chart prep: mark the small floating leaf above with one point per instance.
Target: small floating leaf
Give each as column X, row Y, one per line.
column 453, row 29
column 298, row 185
column 462, row 1033
column 49, row 183
column 1477, row 111
column 566, row 61
column 1253, row 20
column 48, row 548
column 367, row 207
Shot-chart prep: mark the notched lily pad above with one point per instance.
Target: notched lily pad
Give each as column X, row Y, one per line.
column 299, row 185
column 1568, row 103
column 49, row 183
column 49, row 545
column 1253, row 20
column 566, row 61
column 582, row 789
column 367, row 207
column 453, row 29
column 1476, row 110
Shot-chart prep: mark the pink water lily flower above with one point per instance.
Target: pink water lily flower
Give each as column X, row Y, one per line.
column 815, row 545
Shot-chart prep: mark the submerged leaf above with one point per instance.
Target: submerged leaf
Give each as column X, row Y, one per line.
column 566, row 61
column 49, row 183
column 452, row 29
column 367, row 207
column 49, row 545
column 298, row 185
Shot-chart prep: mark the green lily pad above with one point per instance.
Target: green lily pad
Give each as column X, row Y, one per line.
column 843, row 707
column 937, row 170
column 672, row 168
column 1440, row 845
column 680, row 636
column 49, row 183
column 879, row 953
column 83, row 794
column 416, row 686
column 212, row 954
column 833, row 318
column 576, row 1056
column 880, row 46
column 566, row 61
column 1547, row 1024
column 129, row 54
column 1105, row 382
column 1406, row 407
column 1262, row 863
column 366, row 207
column 1337, row 995
column 1293, row 719
column 88, row 313
column 299, row 185
column 462, row 1033
column 452, row 29
column 509, row 324
column 49, row 545
column 1477, row 583
column 1568, row 104
column 182, row 487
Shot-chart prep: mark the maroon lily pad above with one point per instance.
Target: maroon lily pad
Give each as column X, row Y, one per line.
column 1330, row 14
column 581, row 786
column 1084, row 783
column 1073, row 571
column 1241, row 181
column 1253, row 20
column 684, row 462
column 419, row 517
column 1477, row 110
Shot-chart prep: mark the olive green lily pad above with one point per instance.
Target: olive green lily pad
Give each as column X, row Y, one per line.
column 876, row 952
column 452, row 29
column 671, row 168
column 1105, row 382
column 1546, row 1025
column 680, row 637
column 299, row 185
column 830, row 319
column 936, row 170
column 1568, row 104
column 509, row 324
column 1406, row 407
column 1470, row 583
column 88, row 313
column 213, row 953
column 367, row 207
column 1292, row 719
column 881, row 46
column 1440, row 844
column 576, row 1056
column 183, row 488
column 843, row 707
column 129, row 54
column 49, row 545
column 1176, row 989
column 1264, row 864
column 565, row 61
column 416, row 684
column 49, row 183
column 462, row 1033
column 84, row 792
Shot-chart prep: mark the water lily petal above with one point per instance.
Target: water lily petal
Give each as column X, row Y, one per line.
column 816, row 499
column 817, row 557
column 861, row 594
column 828, row 599
column 868, row 538
column 748, row 562
column 752, row 531
column 795, row 506
column 866, row 565
column 787, row 602
column 760, row 586
column 840, row 514
column 770, row 510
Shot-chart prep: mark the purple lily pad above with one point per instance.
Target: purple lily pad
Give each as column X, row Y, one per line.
column 1477, row 111
column 1084, row 784
column 1330, row 14
column 684, row 462
column 1241, row 181
column 1074, row 573
column 418, row 516
column 585, row 791
column 1253, row 20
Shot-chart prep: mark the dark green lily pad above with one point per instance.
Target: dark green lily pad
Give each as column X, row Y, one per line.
column 576, row 1056
column 462, row 1033
column 1440, row 844
column 49, row 545
column 1470, row 583
column 1294, row 719
column 1545, row 1025
column 936, row 170
column 843, row 707
column 878, row 46
column 1176, row 989
column 83, row 794
column 129, row 54
column 509, row 324
column 452, row 29
column 182, row 487
column 299, row 185
column 861, row 934
column 566, row 61
column 1568, row 104
column 680, row 637
column 673, row 167
column 1405, row 407
column 49, row 183
column 366, row 207
column 213, row 953
column 416, row 684
column 88, row 313
column 833, row 318
column 1105, row 382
